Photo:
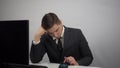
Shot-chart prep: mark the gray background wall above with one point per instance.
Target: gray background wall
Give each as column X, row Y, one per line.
column 98, row 19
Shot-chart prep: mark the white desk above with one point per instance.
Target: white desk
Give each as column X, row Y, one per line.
column 55, row 65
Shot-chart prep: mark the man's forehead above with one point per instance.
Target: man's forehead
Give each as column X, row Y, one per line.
column 53, row 28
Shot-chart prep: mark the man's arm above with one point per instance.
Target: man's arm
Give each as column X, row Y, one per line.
column 37, row 52
column 85, row 50
column 37, row 49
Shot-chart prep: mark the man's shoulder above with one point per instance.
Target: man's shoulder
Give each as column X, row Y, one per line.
column 72, row 29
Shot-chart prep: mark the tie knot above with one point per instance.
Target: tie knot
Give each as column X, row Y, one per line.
column 61, row 38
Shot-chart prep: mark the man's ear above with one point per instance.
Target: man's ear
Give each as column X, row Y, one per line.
column 46, row 32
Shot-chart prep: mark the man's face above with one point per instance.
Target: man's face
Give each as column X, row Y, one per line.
column 55, row 31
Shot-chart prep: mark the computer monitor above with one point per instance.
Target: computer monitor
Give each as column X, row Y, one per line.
column 14, row 41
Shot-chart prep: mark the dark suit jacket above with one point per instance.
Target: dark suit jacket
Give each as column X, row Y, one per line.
column 75, row 45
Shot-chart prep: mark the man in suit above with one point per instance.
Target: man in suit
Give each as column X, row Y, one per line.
column 62, row 44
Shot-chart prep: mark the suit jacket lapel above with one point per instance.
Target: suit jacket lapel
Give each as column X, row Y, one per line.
column 66, row 38
column 66, row 41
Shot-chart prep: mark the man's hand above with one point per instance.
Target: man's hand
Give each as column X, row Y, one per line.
column 70, row 60
column 39, row 33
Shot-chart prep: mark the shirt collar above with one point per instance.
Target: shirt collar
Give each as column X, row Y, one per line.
column 62, row 35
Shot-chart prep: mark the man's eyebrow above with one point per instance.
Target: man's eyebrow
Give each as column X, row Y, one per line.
column 54, row 31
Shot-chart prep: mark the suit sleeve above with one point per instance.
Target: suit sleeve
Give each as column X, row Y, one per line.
column 37, row 51
column 85, row 50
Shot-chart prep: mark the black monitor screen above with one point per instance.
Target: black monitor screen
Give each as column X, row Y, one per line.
column 14, row 41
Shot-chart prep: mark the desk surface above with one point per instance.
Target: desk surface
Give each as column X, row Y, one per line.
column 55, row 65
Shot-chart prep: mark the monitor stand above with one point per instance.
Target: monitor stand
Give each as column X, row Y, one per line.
column 13, row 65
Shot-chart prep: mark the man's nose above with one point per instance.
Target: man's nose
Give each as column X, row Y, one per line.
column 55, row 34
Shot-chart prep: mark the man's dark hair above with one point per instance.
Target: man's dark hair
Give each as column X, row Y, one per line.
column 49, row 20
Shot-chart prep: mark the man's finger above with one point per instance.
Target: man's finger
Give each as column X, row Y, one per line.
column 65, row 59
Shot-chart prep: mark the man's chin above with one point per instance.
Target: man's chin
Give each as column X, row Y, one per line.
column 57, row 37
